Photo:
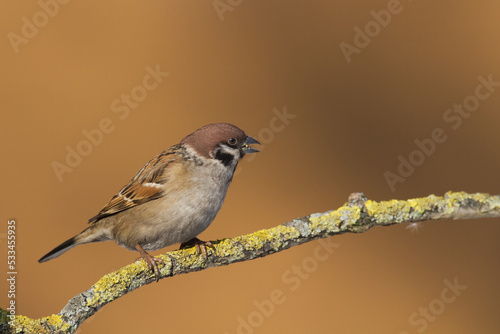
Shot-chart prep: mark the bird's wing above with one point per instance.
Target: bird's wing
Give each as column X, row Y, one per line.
column 146, row 185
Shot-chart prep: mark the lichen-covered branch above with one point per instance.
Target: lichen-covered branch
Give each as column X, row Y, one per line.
column 357, row 215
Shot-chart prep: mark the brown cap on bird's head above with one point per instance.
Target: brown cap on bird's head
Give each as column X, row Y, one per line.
column 205, row 139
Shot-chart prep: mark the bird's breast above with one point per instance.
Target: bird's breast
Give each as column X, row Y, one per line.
column 192, row 200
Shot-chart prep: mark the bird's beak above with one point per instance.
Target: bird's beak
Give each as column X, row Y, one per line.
column 248, row 149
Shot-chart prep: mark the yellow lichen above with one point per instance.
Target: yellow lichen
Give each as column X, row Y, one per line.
column 389, row 211
column 226, row 248
column 55, row 321
column 421, row 205
column 50, row 324
column 190, row 257
column 268, row 237
column 493, row 202
column 334, row 221
column 114, row 284
column 455, row 200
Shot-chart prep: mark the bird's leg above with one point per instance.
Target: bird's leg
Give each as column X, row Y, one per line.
column 150, row 260
column 198, row 244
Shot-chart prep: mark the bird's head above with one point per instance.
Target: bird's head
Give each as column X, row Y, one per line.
column 222, row 141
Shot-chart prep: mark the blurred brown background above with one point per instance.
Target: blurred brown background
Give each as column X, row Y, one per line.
column 242, row 62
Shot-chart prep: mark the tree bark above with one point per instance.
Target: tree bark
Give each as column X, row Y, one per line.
column 357, row 215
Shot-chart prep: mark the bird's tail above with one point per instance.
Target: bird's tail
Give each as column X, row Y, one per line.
column 91, row 234
column 64, row 247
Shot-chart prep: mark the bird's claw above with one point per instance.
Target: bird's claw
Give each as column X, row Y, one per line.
column 199, row 244
column 151, row 261
column 153, row 266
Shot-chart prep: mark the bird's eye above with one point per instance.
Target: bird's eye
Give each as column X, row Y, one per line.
column 232, row 141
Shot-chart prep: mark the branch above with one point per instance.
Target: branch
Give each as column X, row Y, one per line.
column 357, row 215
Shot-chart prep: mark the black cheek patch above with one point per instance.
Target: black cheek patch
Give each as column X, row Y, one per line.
column 226, row 158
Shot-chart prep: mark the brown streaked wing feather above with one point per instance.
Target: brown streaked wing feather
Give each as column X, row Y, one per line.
column 136, row 192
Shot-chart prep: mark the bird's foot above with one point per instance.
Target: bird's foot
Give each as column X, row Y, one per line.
column 199, row 244
column 150, row 260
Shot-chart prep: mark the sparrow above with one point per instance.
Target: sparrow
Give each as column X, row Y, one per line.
column 172, row 199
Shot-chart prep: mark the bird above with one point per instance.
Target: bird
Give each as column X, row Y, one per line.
column 172, row 199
